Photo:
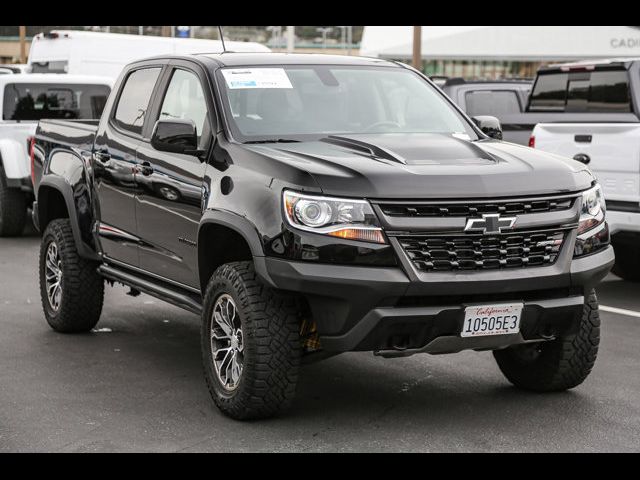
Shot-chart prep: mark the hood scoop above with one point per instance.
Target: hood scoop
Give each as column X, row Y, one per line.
column 415, row 148
column 369, row 149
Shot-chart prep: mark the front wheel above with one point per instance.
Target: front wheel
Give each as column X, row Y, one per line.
column 555, row 365
column 251, row 346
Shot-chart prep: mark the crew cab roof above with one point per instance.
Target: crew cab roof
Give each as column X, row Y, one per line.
column 241, row 59
column 55, row 79
column 590, row 64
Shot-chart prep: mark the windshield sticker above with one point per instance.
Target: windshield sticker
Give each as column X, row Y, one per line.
column 256, row 78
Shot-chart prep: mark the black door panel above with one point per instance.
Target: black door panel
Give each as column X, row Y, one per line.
column 168, row 213
column 114, row 167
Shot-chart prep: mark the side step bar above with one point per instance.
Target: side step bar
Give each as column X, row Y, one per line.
column 190, row 302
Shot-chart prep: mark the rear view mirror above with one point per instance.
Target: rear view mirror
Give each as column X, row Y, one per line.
column 175, row 136
column 490, row 126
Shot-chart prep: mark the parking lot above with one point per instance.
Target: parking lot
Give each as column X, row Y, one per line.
column 136, row 384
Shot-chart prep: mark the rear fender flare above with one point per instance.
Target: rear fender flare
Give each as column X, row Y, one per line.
column 79, row 212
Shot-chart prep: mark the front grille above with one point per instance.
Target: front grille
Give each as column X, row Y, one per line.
column 476, row 208
column 483, row 252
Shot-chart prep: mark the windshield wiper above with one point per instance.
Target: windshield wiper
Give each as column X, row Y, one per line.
column 274, row 140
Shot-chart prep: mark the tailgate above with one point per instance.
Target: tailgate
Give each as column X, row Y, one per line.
column 613, row 149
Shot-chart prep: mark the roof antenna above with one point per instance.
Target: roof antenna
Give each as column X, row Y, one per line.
column 224, row 49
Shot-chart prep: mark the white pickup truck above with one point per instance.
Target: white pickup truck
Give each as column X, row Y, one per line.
column 24, row 100
column 607, row 93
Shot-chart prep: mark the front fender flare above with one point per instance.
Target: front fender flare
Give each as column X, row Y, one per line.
column 244, row 228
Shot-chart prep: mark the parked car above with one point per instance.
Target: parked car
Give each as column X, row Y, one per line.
column 607, row 94
column 25, row 99
column 334, row 216
column 503, row 99
column 11, row 68
column 99, row 53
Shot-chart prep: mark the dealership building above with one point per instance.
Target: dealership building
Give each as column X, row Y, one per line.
column 500, row 51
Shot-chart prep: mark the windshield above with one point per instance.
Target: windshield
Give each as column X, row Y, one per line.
column 27, row 101
column 311, row 102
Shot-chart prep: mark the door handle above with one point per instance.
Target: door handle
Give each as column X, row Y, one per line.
column 145, row 169
column 103, row 156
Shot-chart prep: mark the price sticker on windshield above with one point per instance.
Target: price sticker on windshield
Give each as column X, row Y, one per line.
column 238, row 78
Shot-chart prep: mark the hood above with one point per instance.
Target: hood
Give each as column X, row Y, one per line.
column 413, row 166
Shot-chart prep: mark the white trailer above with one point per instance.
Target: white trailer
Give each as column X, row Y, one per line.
column 97, row 53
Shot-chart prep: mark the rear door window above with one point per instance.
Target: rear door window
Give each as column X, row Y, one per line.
column 134, row 99
column 597, row 91
column 492, row 102
column 32, row 101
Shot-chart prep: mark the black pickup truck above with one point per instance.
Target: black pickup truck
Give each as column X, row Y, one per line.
column 308, row 205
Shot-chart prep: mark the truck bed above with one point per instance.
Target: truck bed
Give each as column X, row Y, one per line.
column 66, row 134
column 76, row 133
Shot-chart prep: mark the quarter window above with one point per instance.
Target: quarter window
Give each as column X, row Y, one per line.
column 134, row 99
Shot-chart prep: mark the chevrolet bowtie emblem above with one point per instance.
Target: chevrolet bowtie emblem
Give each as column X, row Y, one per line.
column 490, row 223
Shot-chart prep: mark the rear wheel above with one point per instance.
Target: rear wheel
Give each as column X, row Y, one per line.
column 251, row 346
column 71, row 289
column 627, row 264
column 13, row 209
column 559, row 364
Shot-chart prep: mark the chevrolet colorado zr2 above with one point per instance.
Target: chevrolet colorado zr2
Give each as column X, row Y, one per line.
column 308, row 205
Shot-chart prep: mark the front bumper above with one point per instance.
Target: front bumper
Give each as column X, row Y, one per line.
column 402, row 311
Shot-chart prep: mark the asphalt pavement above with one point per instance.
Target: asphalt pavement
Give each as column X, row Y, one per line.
column 136, row 384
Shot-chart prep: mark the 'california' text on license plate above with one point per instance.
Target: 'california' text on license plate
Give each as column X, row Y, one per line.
column 484, row 320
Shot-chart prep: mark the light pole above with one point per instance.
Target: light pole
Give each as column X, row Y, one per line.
column 23, row 44
column 324, row 32
column 291, row 36
column 417, row 48
column 349, row 39
column 276, row 32
column 343, row 35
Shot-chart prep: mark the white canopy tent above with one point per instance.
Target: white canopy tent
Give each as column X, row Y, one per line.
column 504, row 43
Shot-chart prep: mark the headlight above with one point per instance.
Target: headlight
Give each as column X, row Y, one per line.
column 593, row 232
column 337, row 217
column 593, row 209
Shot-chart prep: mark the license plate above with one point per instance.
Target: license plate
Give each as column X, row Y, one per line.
column 484, row 320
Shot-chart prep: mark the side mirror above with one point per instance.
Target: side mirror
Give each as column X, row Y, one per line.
column 175, row 136
column 490, row 126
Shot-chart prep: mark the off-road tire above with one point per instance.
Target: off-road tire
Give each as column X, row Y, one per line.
column 82, row 286
column 13, row 209
column 559, row 364
column 272, row 346
column 627, row 264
